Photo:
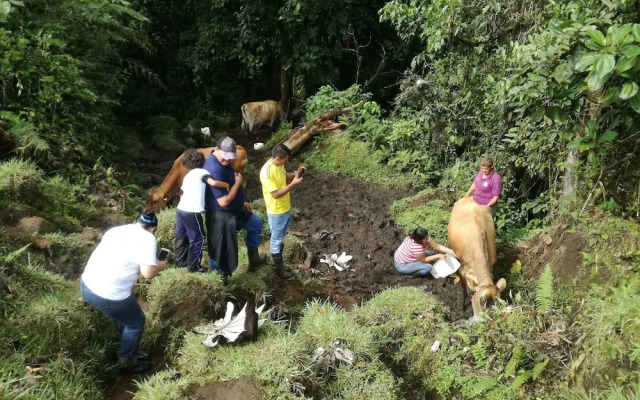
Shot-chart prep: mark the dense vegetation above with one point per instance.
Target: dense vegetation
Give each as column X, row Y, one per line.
column 92, row 89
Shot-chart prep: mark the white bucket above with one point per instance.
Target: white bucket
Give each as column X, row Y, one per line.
column 446, row 267
column 258, row 146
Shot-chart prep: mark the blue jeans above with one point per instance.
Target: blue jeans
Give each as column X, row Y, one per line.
column 410, row 268
column 127, row 313
column 253, row 225
column 278, row 223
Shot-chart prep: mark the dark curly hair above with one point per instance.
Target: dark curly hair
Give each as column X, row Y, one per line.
column 192, row 159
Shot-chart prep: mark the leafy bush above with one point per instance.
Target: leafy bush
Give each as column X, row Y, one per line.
column 328, row 98
column 459, row 177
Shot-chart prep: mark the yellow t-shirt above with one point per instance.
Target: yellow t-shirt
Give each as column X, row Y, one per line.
column 273, row 178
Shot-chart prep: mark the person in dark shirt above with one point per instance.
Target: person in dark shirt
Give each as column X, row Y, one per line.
column 227, row 213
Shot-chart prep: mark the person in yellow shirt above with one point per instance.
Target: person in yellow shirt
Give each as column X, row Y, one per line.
column 277, row 198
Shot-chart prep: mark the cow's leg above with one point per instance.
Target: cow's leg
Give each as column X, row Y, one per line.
column 465, row 294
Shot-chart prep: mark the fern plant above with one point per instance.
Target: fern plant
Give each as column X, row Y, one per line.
column 480, row 354
column 516, row 360
column 544, row 292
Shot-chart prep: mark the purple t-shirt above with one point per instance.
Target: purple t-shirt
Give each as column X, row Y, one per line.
column 487, row 188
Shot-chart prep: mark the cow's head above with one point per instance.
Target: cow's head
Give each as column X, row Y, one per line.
column 485, row 293
column 157, row 200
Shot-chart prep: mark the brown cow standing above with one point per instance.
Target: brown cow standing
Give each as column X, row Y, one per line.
column 472, row 236
column 260, row 112
column 170, row 186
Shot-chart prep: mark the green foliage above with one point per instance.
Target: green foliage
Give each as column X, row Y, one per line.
column 544, row 291
column 20, row 179
column 66, row 71
column 614, row 391
column 164, row 132
column 355, row 160
column 429, row 209
column 166, row 230
column 610, row 322
column 328, row 98
column 283, row 131
column 52, row 328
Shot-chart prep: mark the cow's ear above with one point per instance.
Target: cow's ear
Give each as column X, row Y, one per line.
column 472, row 281
column 502, row 284
column 165, row 198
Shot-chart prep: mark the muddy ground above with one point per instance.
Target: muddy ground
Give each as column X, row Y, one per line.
column 334, row 214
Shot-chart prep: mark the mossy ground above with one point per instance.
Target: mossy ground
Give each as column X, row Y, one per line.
column 356, row 160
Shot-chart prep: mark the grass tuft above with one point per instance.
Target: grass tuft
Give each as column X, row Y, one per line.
column 429, row 209
column 356, row 160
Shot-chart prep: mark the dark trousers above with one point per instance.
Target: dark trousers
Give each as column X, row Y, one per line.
column 222, row 238
column 189, row 239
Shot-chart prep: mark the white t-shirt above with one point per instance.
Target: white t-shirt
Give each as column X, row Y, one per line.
column 114, row 265
column 193, row 188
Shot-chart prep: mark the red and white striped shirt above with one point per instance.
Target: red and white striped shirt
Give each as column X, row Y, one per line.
column 407, row 251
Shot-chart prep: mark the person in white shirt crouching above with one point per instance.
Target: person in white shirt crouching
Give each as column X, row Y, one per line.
column 113, row 268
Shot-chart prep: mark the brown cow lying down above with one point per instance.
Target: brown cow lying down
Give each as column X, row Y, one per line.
column 170, row 186
column 258, row 113
column 472, row 237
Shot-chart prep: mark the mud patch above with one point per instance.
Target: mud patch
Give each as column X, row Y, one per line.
column 561, row 249
column 336, row 214
column 243, row 388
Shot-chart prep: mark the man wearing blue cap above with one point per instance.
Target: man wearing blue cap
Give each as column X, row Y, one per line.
column 113, row 268
column 226, row 213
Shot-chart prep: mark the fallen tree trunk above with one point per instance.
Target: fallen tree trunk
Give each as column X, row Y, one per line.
column 322, row 123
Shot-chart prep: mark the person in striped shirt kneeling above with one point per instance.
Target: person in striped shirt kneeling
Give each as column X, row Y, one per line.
column 413, row 258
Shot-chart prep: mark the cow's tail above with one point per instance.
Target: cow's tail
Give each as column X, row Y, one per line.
column 245, row 122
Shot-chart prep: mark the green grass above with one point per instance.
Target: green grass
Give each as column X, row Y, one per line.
column 53, row 329
column 355, row 160
column 370, row 380
column 166, row 231
column 429, row 209
column 323, row 322
column 179, row 299
column 165, row 385
column 276, row 360
column 394, row 312
column 279, row 136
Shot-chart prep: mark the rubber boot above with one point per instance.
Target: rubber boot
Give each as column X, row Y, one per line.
column 281, row 270
column 254, row 259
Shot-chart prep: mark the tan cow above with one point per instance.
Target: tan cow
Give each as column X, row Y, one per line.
column 258, row 113
column 170, row 186
column 472, row 237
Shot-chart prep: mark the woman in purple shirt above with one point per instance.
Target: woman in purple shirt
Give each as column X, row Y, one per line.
column 487, row 186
